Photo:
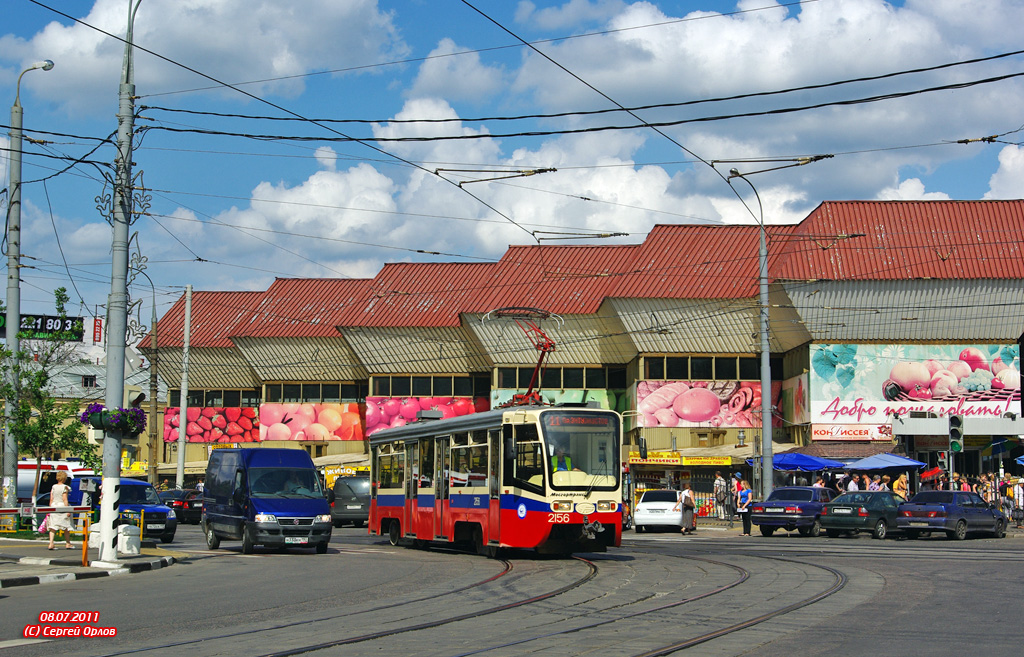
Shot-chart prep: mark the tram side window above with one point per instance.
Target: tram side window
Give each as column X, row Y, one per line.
column 427, row 464
column 526, row 470
column 469, row 466
column 391, row 471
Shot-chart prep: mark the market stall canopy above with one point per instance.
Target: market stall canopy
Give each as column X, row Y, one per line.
column 932, row 474
column 885, row 462
column 1020, row 460
column 802, row 463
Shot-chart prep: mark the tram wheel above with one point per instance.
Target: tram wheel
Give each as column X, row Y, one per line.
column 394, row 532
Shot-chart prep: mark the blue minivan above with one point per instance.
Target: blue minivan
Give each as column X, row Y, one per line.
column 265, row 496
column 138, row 503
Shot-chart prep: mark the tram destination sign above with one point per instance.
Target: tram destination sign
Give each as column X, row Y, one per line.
column 46, row 327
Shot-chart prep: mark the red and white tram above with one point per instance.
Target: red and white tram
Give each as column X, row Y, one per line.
column 541, row 477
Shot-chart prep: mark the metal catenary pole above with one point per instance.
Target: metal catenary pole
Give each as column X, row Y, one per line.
column 117, row 302
column 13, row 317
column 183, row 415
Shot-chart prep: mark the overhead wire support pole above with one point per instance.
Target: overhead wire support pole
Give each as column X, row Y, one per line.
column 767, row 464
column 117, row 302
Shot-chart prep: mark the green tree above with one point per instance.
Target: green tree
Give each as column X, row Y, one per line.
column 42, row 424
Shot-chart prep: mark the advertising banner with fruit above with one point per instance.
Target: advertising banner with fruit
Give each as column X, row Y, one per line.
column 866, row 384
column 702, row 403
column 310, row 422
column 387, row 412
column 211, row 424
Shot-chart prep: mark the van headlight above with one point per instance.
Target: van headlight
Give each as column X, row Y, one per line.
column 324, row 517
column 265, row 517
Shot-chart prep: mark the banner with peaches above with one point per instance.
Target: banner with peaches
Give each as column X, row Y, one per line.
column 310, row 422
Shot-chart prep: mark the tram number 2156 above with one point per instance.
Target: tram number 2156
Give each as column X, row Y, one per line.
column 558, row 517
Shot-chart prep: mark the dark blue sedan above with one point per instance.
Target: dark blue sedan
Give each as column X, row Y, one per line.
column 789, row 508
column 954, row 512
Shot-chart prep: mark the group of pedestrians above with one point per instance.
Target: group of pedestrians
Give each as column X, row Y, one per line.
column 733, row 498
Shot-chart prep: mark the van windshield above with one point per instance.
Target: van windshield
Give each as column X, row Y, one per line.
column 284, row 482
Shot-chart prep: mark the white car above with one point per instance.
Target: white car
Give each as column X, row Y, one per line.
column 659, row 508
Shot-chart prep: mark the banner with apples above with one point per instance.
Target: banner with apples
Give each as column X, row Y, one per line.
column 387, row 412
column 868, row 383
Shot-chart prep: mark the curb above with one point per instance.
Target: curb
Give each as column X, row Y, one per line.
column 99, row 569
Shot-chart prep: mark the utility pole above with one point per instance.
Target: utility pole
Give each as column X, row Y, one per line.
column 117, row 302
column 10, row 452
column 183, row 414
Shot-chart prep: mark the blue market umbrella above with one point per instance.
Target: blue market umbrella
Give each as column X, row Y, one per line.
column 790, row 461
column 885, row 462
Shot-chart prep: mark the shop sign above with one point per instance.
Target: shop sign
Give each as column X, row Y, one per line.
column 655, row 458
column 851, row 432
column 214, row 446
column 707, row 460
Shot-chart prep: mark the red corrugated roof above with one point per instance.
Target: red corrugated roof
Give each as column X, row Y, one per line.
column 214, row 315
column 302, row 307
column 905, row 240
column 419, row 294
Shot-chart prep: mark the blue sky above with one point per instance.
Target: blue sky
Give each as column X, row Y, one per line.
column 230, row 212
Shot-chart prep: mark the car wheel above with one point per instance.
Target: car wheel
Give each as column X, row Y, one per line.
column 321, row 548
column 394, row 532
column 639, row 529
column 815, row 529
column 247, row 543
column 880, row 529
column 959, row 532
column 338, row 524
column 832, row 533
column 1000, row 529
column 212, row 540
column 167, row 538
column 767, row 531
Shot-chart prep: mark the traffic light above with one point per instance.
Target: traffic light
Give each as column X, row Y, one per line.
column 956, row 433
column 942, row 457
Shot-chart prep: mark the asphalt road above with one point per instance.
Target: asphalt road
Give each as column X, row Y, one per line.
column 850, row 596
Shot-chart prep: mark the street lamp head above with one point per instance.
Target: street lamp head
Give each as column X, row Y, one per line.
column 734, row 173
column 46, row 65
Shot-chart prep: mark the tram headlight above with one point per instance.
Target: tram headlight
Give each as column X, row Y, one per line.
column 606, row 506
column 561, row 505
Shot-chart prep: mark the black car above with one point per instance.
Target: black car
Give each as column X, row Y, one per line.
column 187, row 504
column 351, row 500
column 872, row 511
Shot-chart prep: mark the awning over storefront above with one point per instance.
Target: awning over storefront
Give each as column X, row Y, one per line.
column 791, row 462
column 724, row 456
column 354, row 460
column 885, row 462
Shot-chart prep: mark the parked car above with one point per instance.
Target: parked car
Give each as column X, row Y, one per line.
column 187, row 504
column 138, row 504
column 954, row 512
column 850, row 513
column 789, row 508
column 351, row 500
column 658, row 508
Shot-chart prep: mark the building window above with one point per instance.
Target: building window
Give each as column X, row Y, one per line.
column 89, row 381
column 555, row 378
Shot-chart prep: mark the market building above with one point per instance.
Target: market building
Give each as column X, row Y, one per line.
column 881, row 313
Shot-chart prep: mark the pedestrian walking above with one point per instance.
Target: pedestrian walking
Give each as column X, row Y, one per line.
column 745, row 497
column 721, row 490
column 689, row 504
column 59, row 522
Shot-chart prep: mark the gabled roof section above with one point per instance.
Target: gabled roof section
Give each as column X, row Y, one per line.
column 214, row 316
column 418, row 294
column 302, row 307
column 565, row 280
column 696, row 262
column 905, row 240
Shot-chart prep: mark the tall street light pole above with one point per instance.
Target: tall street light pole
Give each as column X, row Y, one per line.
column 766, row 374
column 117, row 302
column 10, row 472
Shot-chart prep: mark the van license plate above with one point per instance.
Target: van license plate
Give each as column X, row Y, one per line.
column 154, row 526
column 294, row 539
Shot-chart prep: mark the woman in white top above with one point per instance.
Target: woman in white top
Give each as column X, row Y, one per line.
column 58, row 522
column 689, row 503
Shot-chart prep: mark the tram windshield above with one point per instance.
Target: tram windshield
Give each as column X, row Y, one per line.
column 581, row 449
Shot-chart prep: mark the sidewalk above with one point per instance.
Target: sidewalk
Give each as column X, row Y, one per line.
column 715, row 524
column 27, row 562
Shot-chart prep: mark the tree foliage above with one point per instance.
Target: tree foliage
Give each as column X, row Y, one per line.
column 42, row 424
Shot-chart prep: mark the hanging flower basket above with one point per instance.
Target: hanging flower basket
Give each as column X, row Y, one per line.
column 128, row 421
